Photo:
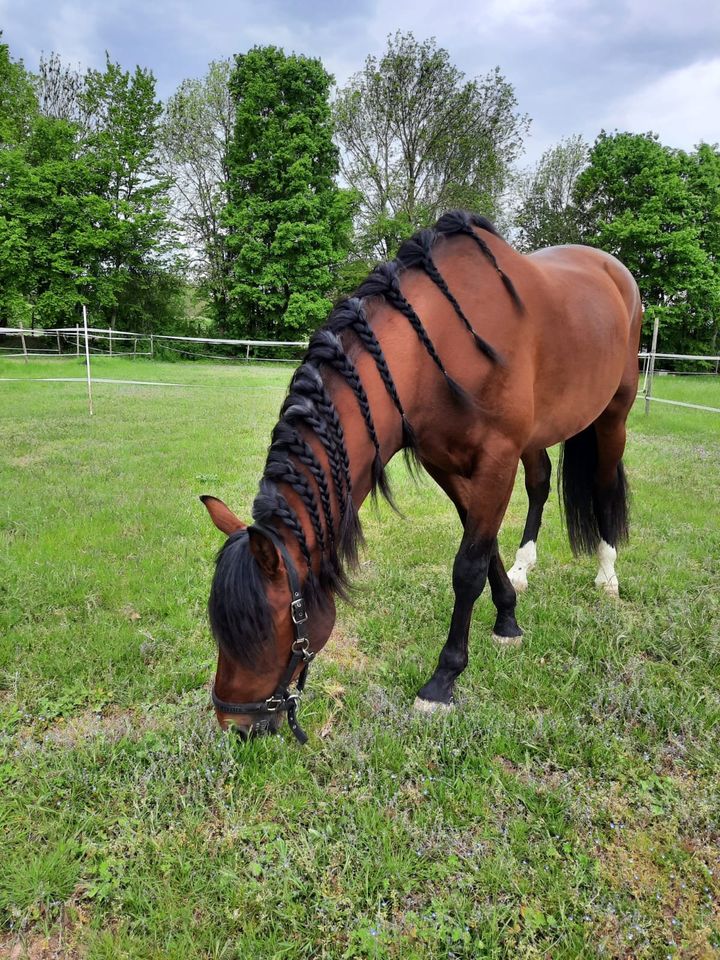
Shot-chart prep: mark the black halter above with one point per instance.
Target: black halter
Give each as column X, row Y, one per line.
column 282, row 698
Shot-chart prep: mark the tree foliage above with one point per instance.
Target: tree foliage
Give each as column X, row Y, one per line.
column 18, row 103
column 197, row 127
column 121, row 145
column 656, row 209
column 417, row 139
column 547, row 214
column 82, row 209
column 288, row 221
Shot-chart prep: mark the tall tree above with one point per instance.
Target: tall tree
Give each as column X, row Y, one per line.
column 131, row 216
column 18, row 102
column 289, row 222
column 197, row 128
column 60, row 88
column 546, row 213
column 702, row 172
column 417, row 138
column 48, row 213
column 637, row 204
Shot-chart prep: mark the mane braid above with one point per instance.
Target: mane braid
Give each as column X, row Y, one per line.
column 286, row 436
column 350, row 314
column 461, row 222
column 308, row 402
column 417, row 252
column 281, row 469
column 383, row 282
column 327, row 347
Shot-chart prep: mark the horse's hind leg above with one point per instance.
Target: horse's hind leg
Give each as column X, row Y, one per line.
column 610, row 495
column 594, row 489
column 537, row 484
column 506, row 631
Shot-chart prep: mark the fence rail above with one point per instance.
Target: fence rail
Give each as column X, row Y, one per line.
column 80, row 337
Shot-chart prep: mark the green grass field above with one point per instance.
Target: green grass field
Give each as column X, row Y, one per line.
column 569, row 808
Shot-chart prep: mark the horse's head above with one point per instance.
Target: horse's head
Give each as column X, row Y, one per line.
column 266, row 634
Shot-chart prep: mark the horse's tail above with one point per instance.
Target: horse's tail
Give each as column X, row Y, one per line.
column 578, row 467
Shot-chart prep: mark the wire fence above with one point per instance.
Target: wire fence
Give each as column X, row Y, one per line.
column 64, row 341
column 17, row 343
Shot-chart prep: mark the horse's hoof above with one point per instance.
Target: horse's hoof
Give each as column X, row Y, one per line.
column 432, row 706
column 507, row 641
column 609, row 587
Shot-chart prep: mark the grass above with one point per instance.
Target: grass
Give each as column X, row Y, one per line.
column 569, row 808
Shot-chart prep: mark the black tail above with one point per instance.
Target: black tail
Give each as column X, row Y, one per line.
column 591, row 515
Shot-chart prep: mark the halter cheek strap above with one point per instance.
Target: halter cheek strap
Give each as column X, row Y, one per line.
column 282, row 699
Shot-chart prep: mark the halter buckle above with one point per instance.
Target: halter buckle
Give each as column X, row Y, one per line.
column 273, row 703
column 298, row 611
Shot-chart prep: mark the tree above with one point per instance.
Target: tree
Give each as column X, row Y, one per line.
column 636, row 203
column 702, row 172
column 131, row 214
column 418, row 139
column 196, row 131
column 47, row 224
column 18, row 103
column 288, row 221
column 60, row 90
column 546, row 213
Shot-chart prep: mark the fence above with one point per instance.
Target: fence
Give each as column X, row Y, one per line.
column 111, row 342
column 104, row 341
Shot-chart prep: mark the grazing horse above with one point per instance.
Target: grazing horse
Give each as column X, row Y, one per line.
column 470, row 357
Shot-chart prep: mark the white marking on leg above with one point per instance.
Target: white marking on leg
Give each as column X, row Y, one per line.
column 507, row 641
column 525, row 560
column 607, row 578
column 431, row 706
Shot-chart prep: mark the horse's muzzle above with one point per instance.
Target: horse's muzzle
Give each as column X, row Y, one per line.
column 259, row 727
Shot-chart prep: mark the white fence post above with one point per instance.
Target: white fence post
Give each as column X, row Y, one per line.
column 22, row 340
column 87, row 359
column 651, row 365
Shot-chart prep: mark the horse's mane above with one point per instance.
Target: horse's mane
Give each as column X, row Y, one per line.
column 238, row 607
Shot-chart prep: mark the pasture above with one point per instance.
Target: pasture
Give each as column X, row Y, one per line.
column 570, row 807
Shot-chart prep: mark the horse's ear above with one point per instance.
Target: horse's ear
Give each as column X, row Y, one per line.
column 265, row 553
column 222, row 516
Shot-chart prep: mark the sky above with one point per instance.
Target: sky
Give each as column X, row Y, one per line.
column 577, row 66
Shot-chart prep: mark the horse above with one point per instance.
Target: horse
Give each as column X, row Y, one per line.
column 471, row 358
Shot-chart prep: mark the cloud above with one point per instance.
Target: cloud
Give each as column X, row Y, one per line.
column 682, row 106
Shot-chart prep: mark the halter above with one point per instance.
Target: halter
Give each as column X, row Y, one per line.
column 282, row 699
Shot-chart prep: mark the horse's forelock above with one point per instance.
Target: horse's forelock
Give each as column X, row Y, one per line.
column 240, row 614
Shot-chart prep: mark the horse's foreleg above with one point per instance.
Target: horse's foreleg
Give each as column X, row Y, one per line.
column 470, row 572
column 537, row 484
column 481, row 502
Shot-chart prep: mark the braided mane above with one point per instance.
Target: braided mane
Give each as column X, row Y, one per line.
column 238, row 608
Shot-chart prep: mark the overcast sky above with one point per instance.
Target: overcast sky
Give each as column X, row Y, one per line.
column 577, row 65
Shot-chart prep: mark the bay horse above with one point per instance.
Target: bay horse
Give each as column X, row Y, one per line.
column 471, row 357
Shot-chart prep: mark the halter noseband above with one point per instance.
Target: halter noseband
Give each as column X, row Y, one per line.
column 282, row 698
